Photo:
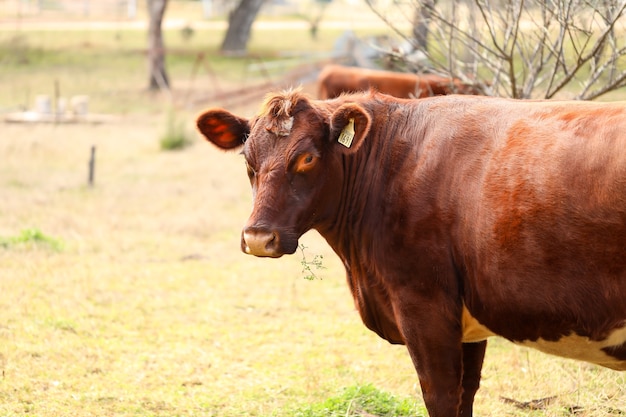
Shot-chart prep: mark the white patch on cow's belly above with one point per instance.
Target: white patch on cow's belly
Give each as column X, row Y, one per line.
column 584, row 349
column 573, row 346
column 473, row 330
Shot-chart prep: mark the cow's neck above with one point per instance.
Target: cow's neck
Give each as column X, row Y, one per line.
column 365, row 207
column 370, row 182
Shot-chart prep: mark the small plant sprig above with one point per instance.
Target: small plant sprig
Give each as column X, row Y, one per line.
column 307, row 265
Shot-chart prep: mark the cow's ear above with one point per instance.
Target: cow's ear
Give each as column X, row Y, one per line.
column 223, row 129
column 349, row 125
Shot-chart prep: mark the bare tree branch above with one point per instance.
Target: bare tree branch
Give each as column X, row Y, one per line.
column 526, row 48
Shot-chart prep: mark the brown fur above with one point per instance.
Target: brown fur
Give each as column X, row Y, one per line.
column 457, row 218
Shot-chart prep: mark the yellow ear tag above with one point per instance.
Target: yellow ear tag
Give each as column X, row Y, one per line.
column 347, row 134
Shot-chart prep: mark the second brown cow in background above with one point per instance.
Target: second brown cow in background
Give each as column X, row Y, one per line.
column 336, row 79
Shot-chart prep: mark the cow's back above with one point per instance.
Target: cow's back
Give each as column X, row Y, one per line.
column 335, row 80
column 401, row 85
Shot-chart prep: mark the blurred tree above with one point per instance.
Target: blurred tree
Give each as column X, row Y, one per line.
column 519, row 48
column 239, row 26
column 158, row 79
column 313, row 13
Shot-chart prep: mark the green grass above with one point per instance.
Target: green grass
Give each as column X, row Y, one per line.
column 356, row 400
column 29, row 238
column 109, row 66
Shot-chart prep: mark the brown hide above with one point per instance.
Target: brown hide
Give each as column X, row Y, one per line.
column 335, row 80
column 457, row 218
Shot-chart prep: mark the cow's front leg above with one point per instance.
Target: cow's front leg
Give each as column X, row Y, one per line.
column 431, row 328
column 473, row 356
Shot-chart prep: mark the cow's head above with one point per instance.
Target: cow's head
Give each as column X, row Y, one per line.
column 294, row 160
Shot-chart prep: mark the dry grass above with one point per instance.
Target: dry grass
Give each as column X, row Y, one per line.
column 150, row 309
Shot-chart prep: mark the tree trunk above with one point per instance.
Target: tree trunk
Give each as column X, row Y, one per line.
column 156, row 49
column 421, row 22
column 239, row 26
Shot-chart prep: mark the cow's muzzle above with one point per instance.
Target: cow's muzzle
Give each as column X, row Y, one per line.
column 261, row 242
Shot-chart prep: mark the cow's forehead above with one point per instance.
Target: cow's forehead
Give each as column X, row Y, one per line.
column 278, row 126
column 278, row 111
column 275, row 123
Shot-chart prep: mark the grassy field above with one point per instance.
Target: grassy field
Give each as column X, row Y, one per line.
column 132, row 298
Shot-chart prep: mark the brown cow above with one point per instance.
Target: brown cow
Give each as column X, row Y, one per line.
column 457, row 218
column 334, row 80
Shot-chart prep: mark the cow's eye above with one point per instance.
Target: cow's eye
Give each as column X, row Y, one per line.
column 305, row 162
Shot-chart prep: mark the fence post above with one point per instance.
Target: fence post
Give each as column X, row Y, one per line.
column 92, row 165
